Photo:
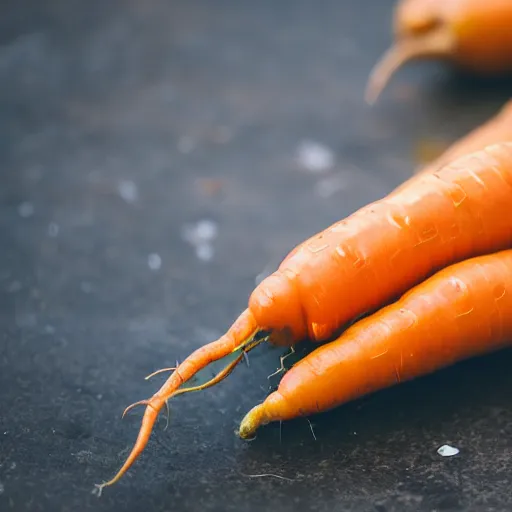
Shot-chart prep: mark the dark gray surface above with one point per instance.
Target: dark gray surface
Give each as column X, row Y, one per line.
column 163, row 94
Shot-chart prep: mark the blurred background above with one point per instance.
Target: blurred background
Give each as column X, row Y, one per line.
column 158, row 159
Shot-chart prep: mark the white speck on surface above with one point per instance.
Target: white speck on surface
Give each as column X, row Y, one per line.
column 53, row 229
column 201, row 235
column 26, row 209
column 447, row 450
column 185, row 145
column 86, row 287
column 202, row 231
column 99, row 396
column 204, row 251
column 327, row 187
column 154, row 261
column 14, row 287
column 128, row 191
column 314, row 156
column 206, row 229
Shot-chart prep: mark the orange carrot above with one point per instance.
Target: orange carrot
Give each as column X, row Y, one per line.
column 497, row 129
column 361, row 263
column 462, row 311
column 472, row 34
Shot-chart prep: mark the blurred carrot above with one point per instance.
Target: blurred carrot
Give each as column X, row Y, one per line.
column 473, row 34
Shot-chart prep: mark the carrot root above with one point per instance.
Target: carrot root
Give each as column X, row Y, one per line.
column 162, row 370
column 252, row 421
column 243, row 336
column 438, row 43
column 215, row 380
column 132, row 406
column 153, row 408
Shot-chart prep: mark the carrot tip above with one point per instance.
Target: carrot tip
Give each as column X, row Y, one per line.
column 248, row 439
column 98, row 489
column 154, row 405
column 437, row 43
column 252, row 420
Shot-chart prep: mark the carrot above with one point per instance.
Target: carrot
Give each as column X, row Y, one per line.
column 497, row 129
column 472, row 34
column 360, row 263
column 462, row 311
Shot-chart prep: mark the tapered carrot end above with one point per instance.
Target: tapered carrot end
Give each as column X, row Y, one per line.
column 437, row 43
column 252, row 421
column 243, row 336
column 382, row 73
column 153, row 408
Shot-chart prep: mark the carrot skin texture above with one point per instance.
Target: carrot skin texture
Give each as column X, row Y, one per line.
column 462, row 311
column 380, row 251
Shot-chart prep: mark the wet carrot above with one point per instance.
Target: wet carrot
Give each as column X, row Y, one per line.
column 496, row 130
column 462, row 311
column 472, row 34
column 362, row 262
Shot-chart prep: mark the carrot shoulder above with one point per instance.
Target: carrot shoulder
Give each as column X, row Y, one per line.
column 462, row 311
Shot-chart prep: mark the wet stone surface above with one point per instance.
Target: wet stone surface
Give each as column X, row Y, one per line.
column 158, row 158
